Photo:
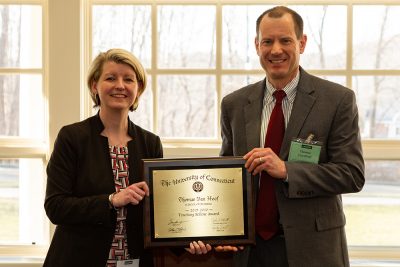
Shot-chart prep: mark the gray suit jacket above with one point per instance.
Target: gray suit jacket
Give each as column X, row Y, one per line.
column 310, row 204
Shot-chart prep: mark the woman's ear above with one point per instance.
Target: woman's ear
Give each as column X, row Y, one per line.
column 140, row 90
column 94, row 88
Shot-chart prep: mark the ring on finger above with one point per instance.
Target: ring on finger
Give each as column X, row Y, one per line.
column 261, row 160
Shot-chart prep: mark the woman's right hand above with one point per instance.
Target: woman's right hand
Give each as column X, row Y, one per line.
column 133, row 194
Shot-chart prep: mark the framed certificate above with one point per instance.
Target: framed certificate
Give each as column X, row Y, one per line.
column 191, row 199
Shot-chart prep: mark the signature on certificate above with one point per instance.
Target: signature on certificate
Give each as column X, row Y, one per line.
column 176, row 226
column 220, row 224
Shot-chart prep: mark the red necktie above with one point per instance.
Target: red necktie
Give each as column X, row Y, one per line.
column 267, row 215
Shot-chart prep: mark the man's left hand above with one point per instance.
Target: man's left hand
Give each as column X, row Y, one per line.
column 264, row 159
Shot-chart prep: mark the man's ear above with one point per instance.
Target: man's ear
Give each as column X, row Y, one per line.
column 303, row 42
column 256, row 44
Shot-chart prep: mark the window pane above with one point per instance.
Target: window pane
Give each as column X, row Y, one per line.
column 232, row 83
column 20, row 36
column 123, row 26
column 22, row 218
column 378, row 98
column 336, row 79
column 238, row 33
column 187, row 106
column 325, row 27
column 22, row 107
column 143, row 115
column 186, row 36
column 373, row 214
column 376, row 37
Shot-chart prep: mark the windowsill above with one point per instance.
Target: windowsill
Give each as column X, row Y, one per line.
column 374, row 263
column 360, row 254
column 22, row 255
column 185, row 150
column 21, row 261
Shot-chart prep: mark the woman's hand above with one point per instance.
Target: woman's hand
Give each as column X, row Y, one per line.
column 133, row 194
column 198, row 248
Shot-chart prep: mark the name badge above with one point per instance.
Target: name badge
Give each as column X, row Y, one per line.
column 305, row 150
column 128, row 263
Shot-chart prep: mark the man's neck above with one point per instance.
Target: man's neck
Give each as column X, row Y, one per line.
column 279, row 84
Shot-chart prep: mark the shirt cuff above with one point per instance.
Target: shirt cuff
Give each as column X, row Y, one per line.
column 286, row 180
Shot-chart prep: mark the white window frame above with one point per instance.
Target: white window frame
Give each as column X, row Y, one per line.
column 29, row 148
column 66, row 56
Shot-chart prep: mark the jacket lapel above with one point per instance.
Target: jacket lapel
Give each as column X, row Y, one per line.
column 252, row 115
column 302, row 105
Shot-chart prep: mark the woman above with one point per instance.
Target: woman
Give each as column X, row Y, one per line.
column 94, row 192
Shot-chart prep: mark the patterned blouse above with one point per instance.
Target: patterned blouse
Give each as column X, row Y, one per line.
column 119, row 246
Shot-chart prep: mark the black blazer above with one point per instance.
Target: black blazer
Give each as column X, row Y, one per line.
column 79, row 181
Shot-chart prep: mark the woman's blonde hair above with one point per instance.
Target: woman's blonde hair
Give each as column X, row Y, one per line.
column 119, row 56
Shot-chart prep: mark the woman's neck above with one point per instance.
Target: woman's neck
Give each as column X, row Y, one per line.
column 115, row 128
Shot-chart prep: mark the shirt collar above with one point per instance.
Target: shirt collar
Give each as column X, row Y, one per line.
column 290, row 89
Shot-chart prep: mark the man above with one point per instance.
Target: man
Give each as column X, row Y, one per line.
column 307, row 226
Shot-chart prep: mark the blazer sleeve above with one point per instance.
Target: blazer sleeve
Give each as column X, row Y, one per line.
column 343, row 169
column 226, row 131
column 62, row 203
column 159, row 153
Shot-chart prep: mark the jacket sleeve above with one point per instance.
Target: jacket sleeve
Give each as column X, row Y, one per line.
column 226, row 132
column 159, row 153
column 63, row 205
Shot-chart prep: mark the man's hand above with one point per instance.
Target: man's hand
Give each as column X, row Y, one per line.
column 228, row 248
column 264, row 159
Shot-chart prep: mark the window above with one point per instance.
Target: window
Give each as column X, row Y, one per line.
column 193, row 53
column 23, row 120
column 196, row 53
column 377, row 92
